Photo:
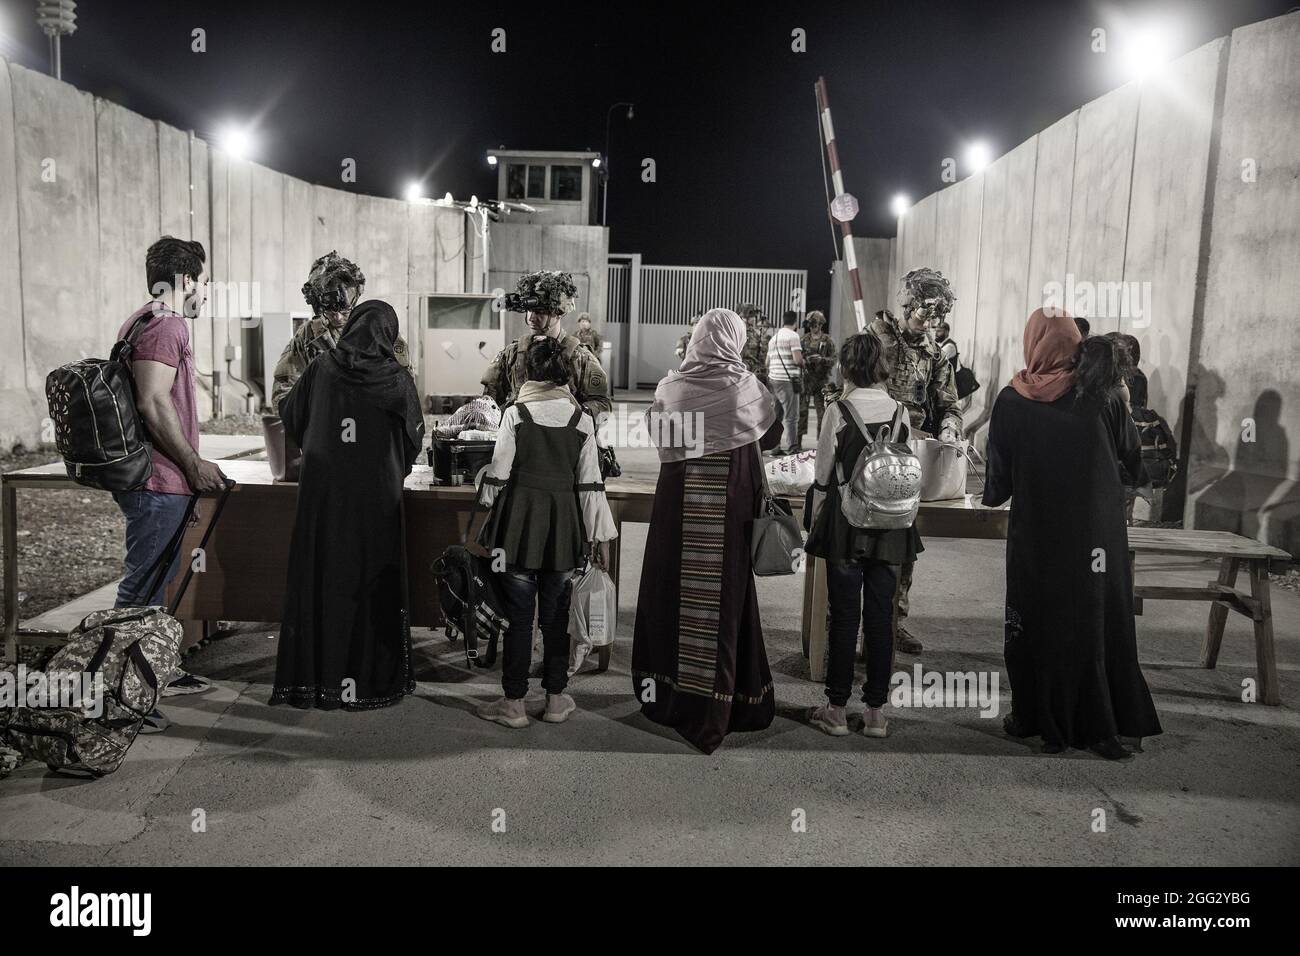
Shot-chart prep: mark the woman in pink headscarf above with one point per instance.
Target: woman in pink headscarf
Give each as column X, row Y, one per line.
column 699, row 643
column 1058, row 435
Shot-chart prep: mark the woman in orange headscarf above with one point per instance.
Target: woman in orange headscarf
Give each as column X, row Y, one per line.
column 1058, row 435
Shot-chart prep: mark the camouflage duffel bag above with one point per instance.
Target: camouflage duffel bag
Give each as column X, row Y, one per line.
column 135, row 652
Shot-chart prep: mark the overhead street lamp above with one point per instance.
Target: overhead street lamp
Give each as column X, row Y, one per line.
column 604, row 167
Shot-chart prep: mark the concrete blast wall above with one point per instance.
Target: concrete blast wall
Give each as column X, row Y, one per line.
column 1166, row 209
column 86, row 186
column 1245, row 380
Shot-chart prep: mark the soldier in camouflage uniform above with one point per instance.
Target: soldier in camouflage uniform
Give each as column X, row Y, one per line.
column 923, row 381
column 589, row 337
column 757, row 334
column 508, row 371
column 818, row 363
column 332, row 288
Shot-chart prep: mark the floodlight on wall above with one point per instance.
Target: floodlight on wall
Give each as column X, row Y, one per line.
column 595, row 163
column 978, row 155
column 414, row 191
column 492, row 160
column 236, row 141
column 1145, row 52
column 900, row 204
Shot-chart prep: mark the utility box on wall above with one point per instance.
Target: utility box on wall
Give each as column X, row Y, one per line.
column 461, row 335
column 263, row 342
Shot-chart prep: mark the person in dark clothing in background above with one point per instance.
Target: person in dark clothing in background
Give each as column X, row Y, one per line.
column 1058, row 437
column 345, row 638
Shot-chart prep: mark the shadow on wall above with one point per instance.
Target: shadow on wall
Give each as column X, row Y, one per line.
column 1197, row 433
column 990, row 386
column 1254, row 495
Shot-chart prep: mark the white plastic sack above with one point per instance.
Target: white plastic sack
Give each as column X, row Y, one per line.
column 593, row 612
column 793, row 474
column 943, row 467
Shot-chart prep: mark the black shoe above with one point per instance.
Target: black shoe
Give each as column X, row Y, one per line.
column 155, row 723
column 906, row 642
column 1013, row 727
column 1111, row 749
column 187, row 683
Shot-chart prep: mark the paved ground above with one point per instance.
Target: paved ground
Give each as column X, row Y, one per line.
column 424, row 782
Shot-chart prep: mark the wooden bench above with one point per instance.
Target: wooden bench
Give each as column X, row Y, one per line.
column 1231, row 551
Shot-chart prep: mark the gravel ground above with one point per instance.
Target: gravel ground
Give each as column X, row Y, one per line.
column 233, row 425
column 69, row 542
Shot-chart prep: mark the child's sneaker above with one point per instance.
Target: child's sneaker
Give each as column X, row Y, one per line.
column 830, row 719
column 874, row 723
column 558, row 708
column 506, row 712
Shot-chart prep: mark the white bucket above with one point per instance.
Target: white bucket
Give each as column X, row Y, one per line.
column 943, row 467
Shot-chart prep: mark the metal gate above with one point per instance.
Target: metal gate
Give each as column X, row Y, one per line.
column 650, row 307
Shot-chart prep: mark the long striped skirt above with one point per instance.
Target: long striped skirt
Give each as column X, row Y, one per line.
column 698, row 661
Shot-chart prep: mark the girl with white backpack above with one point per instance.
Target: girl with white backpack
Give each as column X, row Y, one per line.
column 863, row 514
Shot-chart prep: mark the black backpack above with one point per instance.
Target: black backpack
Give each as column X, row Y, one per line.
column 97, row 429
column 1159, row 448
column 471, row 604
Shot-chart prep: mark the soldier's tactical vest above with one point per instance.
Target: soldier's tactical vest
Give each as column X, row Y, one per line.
column 815, row 345
column 909, row 378
column 518, row 363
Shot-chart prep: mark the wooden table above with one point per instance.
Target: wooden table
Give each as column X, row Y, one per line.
column 247, row 555
column 1231, row 551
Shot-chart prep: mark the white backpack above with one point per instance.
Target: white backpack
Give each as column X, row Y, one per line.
column 884, row 490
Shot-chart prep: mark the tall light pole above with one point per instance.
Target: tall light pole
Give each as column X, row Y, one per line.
column 604, row 176
column 57, row 20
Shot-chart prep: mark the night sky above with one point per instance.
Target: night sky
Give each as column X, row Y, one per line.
column 723, row 105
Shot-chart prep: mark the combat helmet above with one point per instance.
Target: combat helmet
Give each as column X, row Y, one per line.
column 328, row 283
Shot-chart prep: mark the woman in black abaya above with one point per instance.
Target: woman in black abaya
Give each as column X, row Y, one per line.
column 345, row 638
column 1058, row 436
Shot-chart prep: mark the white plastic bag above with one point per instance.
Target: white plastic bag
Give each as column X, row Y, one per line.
column 793, row 474
column 593, row 612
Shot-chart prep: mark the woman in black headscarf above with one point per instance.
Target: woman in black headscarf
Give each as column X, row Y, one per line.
column 345, row 639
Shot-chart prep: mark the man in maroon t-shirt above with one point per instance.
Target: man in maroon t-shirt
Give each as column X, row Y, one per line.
column 163, row 365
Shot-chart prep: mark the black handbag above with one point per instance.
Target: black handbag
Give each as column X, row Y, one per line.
column 609, row 466
column 776, row 546
column 966, row 382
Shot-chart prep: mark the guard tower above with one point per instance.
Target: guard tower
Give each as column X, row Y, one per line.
column 562, row 185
